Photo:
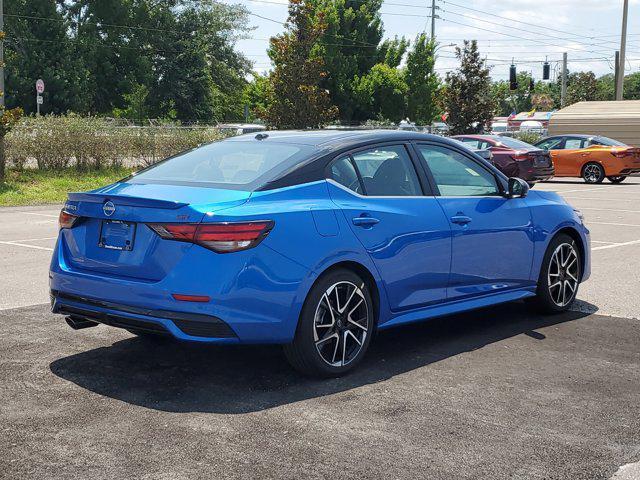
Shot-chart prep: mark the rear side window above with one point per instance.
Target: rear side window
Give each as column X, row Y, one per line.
column 343, row 172
column 226, row 163
column 387, row 171
column 549, row 143
column 457, row 175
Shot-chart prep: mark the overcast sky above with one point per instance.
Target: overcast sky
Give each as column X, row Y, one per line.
column 588, row 30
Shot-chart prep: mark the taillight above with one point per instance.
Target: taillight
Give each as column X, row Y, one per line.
column 622, row 153
column 67, row 220
column 219, row 237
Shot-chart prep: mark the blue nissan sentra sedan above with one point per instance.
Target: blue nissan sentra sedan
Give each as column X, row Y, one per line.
column 313, row 240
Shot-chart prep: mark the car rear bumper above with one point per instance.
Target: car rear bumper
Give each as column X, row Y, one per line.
column 538, row 174
column 255, row 296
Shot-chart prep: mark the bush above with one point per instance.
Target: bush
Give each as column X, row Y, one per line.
column 528, row 137
column 90, row 143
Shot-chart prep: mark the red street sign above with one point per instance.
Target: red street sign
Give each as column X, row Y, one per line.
column 40, row 86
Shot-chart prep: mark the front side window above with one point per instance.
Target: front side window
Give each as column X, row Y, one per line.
column 387, row 171
column 574, row 143
column 456, row 175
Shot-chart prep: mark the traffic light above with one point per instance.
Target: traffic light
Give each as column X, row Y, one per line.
column 513, row 79
column 546, row 71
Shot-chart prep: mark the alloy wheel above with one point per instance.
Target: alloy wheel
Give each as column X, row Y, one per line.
column 563, row 274
column 341, row 323
column 592, row 173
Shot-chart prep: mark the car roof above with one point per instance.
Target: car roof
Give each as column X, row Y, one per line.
column 332, row 139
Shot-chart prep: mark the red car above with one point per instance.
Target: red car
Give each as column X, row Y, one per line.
column 513, row 157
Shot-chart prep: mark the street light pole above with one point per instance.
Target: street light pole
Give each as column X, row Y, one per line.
column 563, row 91
column 623, row 44
column 433, row 19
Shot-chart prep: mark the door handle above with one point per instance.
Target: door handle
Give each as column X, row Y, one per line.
column 365, row 221
column 460, row 219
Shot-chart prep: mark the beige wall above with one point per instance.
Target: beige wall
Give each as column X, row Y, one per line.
column 617, row 120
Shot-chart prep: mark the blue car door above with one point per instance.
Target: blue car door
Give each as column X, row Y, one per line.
column 492, row 241
column 405, row 232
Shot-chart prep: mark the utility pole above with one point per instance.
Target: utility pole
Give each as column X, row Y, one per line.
column 563, row 92
column 433, row 19
column 616, row 67
column 1, row 54
column 623, row 44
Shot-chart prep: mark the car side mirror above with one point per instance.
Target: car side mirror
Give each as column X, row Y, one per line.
column 518, row 188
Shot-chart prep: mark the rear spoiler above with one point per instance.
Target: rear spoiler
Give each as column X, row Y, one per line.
column 124, row 200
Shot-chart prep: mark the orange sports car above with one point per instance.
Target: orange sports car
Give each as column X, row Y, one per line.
column 591, row 157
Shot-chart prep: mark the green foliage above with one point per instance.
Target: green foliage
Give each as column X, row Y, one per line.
column 422, row 81
column 36, row 187
column 382, row 92
column 181, row 51
column 136, row 108
column 91, row 143
column 545, row 96
column 297, row 100
column 350, row 48
column 528, row 137
column 581, row 87
column 391, row 52
column 468, row 97
column 257, row 93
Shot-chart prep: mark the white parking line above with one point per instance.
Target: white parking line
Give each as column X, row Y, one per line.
column 18, row 244
column 607, row 243
column 616, row 245
column 613, row 223
column 40, row 214
column 602, row 199
column 609, row 209
column 561, row 192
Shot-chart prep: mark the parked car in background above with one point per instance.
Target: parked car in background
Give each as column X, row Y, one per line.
column 591, row 157
column 499, row 127
column 513, row 157
column 313, row 240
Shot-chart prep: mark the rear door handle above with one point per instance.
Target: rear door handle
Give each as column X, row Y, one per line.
column 460, row 219
column 365, row 221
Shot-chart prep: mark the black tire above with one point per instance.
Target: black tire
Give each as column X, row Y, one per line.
column 617, row 179
column 593, row 172
column 319, row 320
column 546, row 297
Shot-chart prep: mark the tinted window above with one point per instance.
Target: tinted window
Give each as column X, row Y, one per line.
column 387, row 171
column 457, row 175
column 574, row 143
column 549, row 143
column 610, row 142
column 475, row 143
column 226, row 163
column 514, row 143
column 342, row 171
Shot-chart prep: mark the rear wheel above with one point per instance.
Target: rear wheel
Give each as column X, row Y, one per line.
column 593, row 173
column 335, row 326
column 559, row 276
column 616, row 179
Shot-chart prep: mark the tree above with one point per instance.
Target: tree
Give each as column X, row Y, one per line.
column 297, row 99
column 350, row 46
column 136, row 108
column 422, row 81
column 9, row 117
column 468, row 93
column 581, row 86
column 37, row 46
column 257, row 93
column 382, row 93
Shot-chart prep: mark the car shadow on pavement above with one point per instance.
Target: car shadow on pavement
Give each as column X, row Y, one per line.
column 179, row 377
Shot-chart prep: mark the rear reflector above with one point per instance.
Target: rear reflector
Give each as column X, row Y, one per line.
column 67, row 220
column 190, row 298
column 220, row 237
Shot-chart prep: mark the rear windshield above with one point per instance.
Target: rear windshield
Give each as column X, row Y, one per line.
column 609, row 142
column 514, row 143
column 226, row 164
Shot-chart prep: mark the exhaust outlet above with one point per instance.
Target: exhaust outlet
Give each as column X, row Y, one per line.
column 78, row 323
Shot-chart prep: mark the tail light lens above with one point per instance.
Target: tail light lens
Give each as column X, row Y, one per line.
column 219, row 237
column 622, row 153
column 67, row 220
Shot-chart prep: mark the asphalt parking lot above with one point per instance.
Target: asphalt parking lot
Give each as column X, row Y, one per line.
column 499, row 393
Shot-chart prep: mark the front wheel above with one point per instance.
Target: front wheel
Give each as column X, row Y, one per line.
column 335, row 326
column 616, row 179
column 559, row 276
column 593, row 173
